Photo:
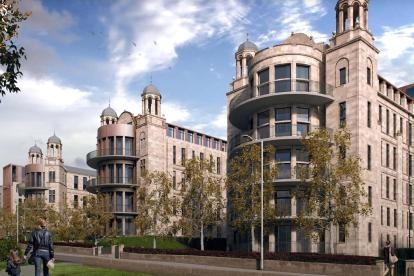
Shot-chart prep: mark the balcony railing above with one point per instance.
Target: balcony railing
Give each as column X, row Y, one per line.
column 285, row 86
column 111, row 152
column 112, row 180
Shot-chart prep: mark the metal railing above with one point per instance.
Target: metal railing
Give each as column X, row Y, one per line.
column 112, row 180
column 111, row 152
column 284, row 86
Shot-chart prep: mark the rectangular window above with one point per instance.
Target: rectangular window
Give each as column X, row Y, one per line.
column 302, row 78
column 283, row 160
column 369, row 157
column 394, row 158
column 282, row 78
column 181, row 134
column 382, row 215
column 283, row 125
column 342, row 114
column 369, row 114
column 369, row 232
column 368, row 76
column 388, row 216
column 394, row 189
column 263, row 87
column 174, row 155
column 52, row 196
column 84, row 182
column 75, row 182
column 395, row 218
column 410, row 134
column 370, row 196
column 387, row 187
column 410, row 165
column 218, row 165
column 170, row 131
column 129, row 146
column 410, row 194
column 342, row 76
column 387, row 121
column 387, row 155
column 263, row 124
column 283, row 204
column 142, row 167
column 119, row 145
column 380, row 113
column 52, row 176
column 401, row 126
column 201, row 156
column 394, row 124
column 183, row 156
column 302, row 114
column 189, row 136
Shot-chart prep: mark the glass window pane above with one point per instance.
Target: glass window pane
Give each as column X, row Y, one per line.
column 283, row 155
column 283, row 114
column 302, row 114
column 282, row 86
column 263, row 89
column 302, row 72
column 282, row 71
column 283, row 129
column 283, row 171
column 263, row 132
column 263, row 118
column 302, row 155
column 342, row 76
column 303, row 129
column 263, row 76
column 302, row 85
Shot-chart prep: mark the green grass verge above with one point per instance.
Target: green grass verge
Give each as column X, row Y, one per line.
column 67, row 269
column 146, row 242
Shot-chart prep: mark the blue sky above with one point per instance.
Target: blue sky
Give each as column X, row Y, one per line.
column 81, row 53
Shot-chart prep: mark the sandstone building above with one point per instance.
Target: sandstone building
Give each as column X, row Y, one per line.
column 282, row 92
column 45, row 177
column 128, row 144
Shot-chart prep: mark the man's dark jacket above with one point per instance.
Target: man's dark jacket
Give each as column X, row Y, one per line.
column 41, row 239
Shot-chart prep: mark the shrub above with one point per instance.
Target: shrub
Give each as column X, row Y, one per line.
column 5, row 246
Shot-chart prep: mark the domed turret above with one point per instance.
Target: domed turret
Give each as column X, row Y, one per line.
column 151, row 100
column 54, row 139
column 108, row 116
column 35, row 149
column 244, row 55
column 151, row 89
column 247, row 46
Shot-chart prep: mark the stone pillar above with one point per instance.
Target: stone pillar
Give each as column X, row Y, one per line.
column 366, row 18
column 361, row 17
column 350, row 17
column 341, row 22
column 238, row 73
column 159, row 107
column 143, row 105
column 244, row 69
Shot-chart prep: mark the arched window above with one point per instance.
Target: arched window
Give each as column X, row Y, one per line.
column 370, row 72
column 107, row 121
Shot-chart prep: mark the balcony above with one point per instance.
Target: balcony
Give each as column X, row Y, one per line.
column 103, row 183
column 283, row 134
column 287, row 92
column 40, row 187
column 93, row 158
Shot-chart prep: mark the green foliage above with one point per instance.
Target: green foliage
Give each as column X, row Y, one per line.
column 244, row 189
column 71, row 225
column 156, row 205
column 201, row 197
column 96, row 215
column 7, row 244
column 335, row 192
column 10, row 53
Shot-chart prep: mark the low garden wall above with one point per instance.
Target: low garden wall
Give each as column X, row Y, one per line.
column 270, row 265
column 75, row 250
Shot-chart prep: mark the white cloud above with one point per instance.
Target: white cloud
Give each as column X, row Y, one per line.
column 175, row 112
column 295, row 16
column 396, row 47
column 146, row 37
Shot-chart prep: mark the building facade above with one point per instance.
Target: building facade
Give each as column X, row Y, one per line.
column 282, row 92
column 129, row 145
column 46, row 178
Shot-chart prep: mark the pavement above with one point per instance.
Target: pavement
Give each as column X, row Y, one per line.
column 154, row 267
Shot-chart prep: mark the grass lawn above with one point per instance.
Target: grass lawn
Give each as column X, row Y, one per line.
column 67, row 269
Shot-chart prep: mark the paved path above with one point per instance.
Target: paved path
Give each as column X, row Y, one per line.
column 27, row 270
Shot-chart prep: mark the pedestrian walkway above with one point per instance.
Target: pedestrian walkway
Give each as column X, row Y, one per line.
column 27, row 270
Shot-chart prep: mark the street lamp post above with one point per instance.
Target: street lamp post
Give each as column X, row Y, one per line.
column 261, row 199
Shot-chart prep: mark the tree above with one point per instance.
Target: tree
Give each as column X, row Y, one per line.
column 10, row 53
column 201, row 198
column 333, row 189
column 156, row 205
column 244, row 189
column 71, row 224
column 97, row 216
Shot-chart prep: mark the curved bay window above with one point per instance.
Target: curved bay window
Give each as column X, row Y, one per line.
column 283, row 124
column 302, row 78
column 283, row 163
column 263, row 124
column 263, row 86
column 282, row 78
column 302, row 117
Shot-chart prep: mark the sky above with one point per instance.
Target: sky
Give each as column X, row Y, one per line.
column 83, row 55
